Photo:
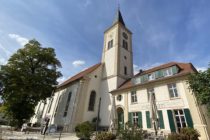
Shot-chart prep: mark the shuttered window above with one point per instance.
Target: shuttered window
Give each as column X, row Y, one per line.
column 188, row 118
column 171, row 121
column 148, row 119
column 140, row 120
column 135, row 118
column 161, row 120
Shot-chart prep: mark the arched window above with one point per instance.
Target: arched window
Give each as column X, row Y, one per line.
column 92, row 101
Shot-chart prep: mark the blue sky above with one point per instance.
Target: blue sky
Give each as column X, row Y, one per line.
column 163, row 30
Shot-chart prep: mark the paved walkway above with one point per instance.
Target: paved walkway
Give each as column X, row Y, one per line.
column 36, row 136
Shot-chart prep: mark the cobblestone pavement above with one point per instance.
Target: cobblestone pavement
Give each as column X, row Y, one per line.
column 36, row 136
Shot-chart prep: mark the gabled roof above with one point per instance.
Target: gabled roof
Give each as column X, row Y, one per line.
column 79, row 75
column 118, row 18
column 184, row 68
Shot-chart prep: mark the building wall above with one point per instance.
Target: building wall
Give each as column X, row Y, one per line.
column 185, row 100
column 93, row 85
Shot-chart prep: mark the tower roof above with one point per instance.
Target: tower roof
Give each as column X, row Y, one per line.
column 118, row 18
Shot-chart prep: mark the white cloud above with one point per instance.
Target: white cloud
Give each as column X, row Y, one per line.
column 136, row 68
column 61, row 79
column 21, row 40
column 78, row 63
column 201, row 68
column 3, row 61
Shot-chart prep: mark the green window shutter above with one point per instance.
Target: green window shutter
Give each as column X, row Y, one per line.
column 148, row 119
column 174, row 69
column 171, row 121
column 140, row 120
column 161, row 121
column 130, row 116
column 188, row 118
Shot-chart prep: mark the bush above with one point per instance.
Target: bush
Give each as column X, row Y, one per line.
column 84, row 130
column 185, row 134
column 132, row 133
column 105, row 136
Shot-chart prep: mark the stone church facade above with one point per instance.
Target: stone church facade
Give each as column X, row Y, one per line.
column 110, row 89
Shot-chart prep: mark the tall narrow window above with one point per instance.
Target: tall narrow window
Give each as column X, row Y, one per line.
column 92, row 101
column 110, row 44
column 67, row 105
column 125, row 44
column 172, row 90
column 180, row 119
column 50, row 105
column 150, row 92
column 56, row 110
column 135, row 118
column 125, row 70
column 133, row 97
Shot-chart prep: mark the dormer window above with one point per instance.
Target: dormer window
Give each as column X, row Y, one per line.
column 168, row 72
column 110, row 44
column 151, row 76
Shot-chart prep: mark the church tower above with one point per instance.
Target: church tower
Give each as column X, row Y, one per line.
column 117, row 63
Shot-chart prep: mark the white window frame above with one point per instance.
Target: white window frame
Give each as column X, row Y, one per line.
column 179, row 116
column 172, row 89
column 151, row 76
column 167, row 72
column 133, row 97
column 135, row 118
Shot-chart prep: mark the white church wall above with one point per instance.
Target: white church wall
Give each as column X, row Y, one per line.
column 106, row 86
column 93, row 85
column 60, row 118
column 110, row 54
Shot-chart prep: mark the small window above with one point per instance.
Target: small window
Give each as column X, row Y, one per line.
column 125, row 44
column 172, row 90
column 110, row 44
column 133, row 97
column 119, row 97
column 167, row 72
column 125, row 70
column 150, row 93
column 92, row 101
column 151, row 76
column 125, row 57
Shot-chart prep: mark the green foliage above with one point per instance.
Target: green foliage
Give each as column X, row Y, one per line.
column 199, row 83
column 185, row 134
column 28, row 77
column 105, row 136
column 84, row 130
column 131, row 133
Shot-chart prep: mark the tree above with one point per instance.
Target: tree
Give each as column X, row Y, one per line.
column 199, row 83
column 28, row 77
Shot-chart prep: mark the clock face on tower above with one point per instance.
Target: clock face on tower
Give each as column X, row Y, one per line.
column 125, row 35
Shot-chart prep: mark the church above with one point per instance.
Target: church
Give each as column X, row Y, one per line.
column 111, row 91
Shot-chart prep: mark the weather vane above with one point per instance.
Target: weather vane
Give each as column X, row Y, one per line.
column 118, row 4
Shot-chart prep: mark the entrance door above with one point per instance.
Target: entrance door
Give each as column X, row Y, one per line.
column 120, row 115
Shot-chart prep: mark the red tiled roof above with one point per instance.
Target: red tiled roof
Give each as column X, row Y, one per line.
column 79, row 75
column 185, row 68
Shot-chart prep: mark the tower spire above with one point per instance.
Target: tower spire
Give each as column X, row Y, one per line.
column 118, row 17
